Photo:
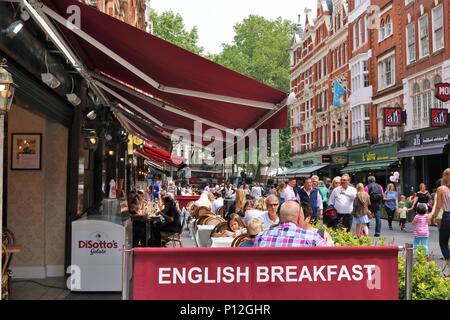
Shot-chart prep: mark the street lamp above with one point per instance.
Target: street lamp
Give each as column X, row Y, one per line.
column 6, row 97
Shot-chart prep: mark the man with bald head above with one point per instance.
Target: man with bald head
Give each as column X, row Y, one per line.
column 289, row 233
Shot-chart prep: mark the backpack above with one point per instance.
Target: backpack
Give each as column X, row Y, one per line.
column 376, row 196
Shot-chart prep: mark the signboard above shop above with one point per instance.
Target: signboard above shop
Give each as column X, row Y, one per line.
column 439, row 117
column 442, row 91
column 373, row 154
column 393, row 117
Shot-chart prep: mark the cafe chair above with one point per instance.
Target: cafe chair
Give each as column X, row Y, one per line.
column 173, row 237
column 5, row 273
column 219, row 228
column 201, row 220
column 213, row 220
column 240, row 239
column 202, row 211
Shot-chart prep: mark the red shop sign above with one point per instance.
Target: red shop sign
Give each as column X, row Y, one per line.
column 443, row 91
column 392, row 117
column 438, row 117
column 265, row 273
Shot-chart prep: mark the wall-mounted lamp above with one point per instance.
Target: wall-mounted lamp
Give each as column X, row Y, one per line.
column 6, row 89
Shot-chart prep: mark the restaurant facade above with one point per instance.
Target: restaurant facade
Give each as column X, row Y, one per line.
column 78, row 100
column 425, row 155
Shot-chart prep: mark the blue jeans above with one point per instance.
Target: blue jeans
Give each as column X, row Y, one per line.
column 421, row 241
column 444, row 235
column 377, row 213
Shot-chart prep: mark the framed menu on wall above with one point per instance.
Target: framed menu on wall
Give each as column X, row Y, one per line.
column 26, row 151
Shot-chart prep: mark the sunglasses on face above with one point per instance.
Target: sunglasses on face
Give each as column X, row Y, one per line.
column 272, row 204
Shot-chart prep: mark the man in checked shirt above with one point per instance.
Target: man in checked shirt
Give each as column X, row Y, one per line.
column 289, row 233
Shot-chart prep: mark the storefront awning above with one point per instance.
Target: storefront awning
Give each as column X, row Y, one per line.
column 422, row 150
column 169, row 86
column 358, row 167
column 304, row 171
column 160, row 156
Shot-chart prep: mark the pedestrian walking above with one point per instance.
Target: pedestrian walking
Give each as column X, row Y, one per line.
column 289, row 193
column 422, row 221
column 342, row 199
column 402, row 212
column 361, row 211
column 443, row 202
column 422, row 196
column 390, row 203
column 324, row 193
column 282, row 192
column 334, row 184
column 376, row 195
column 312, row 196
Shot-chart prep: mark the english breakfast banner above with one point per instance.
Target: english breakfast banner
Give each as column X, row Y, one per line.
column 265, row 273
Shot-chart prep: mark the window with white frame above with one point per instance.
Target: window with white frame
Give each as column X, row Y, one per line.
column 365, row 72
column 438, row 104
column 360, row 75
column 411, row 43
column 438, row 28
column 386, row 72
column 416, row 104
column 423, row 37
column 408, row 2
column 355, row 38
column 426, row 102
column 386, row 29
column 360, row 123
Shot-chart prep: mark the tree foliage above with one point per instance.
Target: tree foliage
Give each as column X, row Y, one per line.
column 260, row 51
column 170, row 27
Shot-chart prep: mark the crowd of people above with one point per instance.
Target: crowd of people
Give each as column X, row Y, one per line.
column 285, row 214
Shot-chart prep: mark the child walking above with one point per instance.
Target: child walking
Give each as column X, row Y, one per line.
column 402, row 211
column 422, row 220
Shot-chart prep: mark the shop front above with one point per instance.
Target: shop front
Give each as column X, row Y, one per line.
column 308, row 166
column 425, row 155
column 379, row 160
column 336, row 162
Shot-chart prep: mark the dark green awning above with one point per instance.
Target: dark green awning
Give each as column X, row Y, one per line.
column 377, row 165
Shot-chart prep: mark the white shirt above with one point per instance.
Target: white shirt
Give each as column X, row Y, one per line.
column 256, row 192
column 230, row 193
column 206, row 189
column 267, row 221
column 289, row 194
column 217, row 204
column 343, row 203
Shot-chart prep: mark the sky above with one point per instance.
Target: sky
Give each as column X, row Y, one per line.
column 215, row 18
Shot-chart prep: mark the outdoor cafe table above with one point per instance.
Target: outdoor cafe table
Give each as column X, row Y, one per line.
column 203, row 234
column 221, row 242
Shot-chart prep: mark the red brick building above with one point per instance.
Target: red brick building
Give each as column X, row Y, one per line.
column 129, row 11
column 319, row 56
column 425, row 149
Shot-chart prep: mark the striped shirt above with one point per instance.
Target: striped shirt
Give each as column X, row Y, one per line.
column 288, row 234
column 421, row 229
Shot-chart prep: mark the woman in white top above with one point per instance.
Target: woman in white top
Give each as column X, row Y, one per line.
column 443, row 201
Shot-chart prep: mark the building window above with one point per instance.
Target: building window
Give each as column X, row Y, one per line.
column 426, row 101
column 423, row 35
column 360, row 124
column 411, row 43
column 438, row 28
column 355, row 38
column 381, row 32
column 386, row 72
column 416, row 101
column 385, row 30
column 366, row 73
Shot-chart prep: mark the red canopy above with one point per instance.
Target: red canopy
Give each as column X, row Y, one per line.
column 161, row 155
column 135, row 67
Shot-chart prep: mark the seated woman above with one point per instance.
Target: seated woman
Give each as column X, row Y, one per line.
column 235, row 227
column 254, row 227
column 307, row 212
column 171, row 222
column 139, row 224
